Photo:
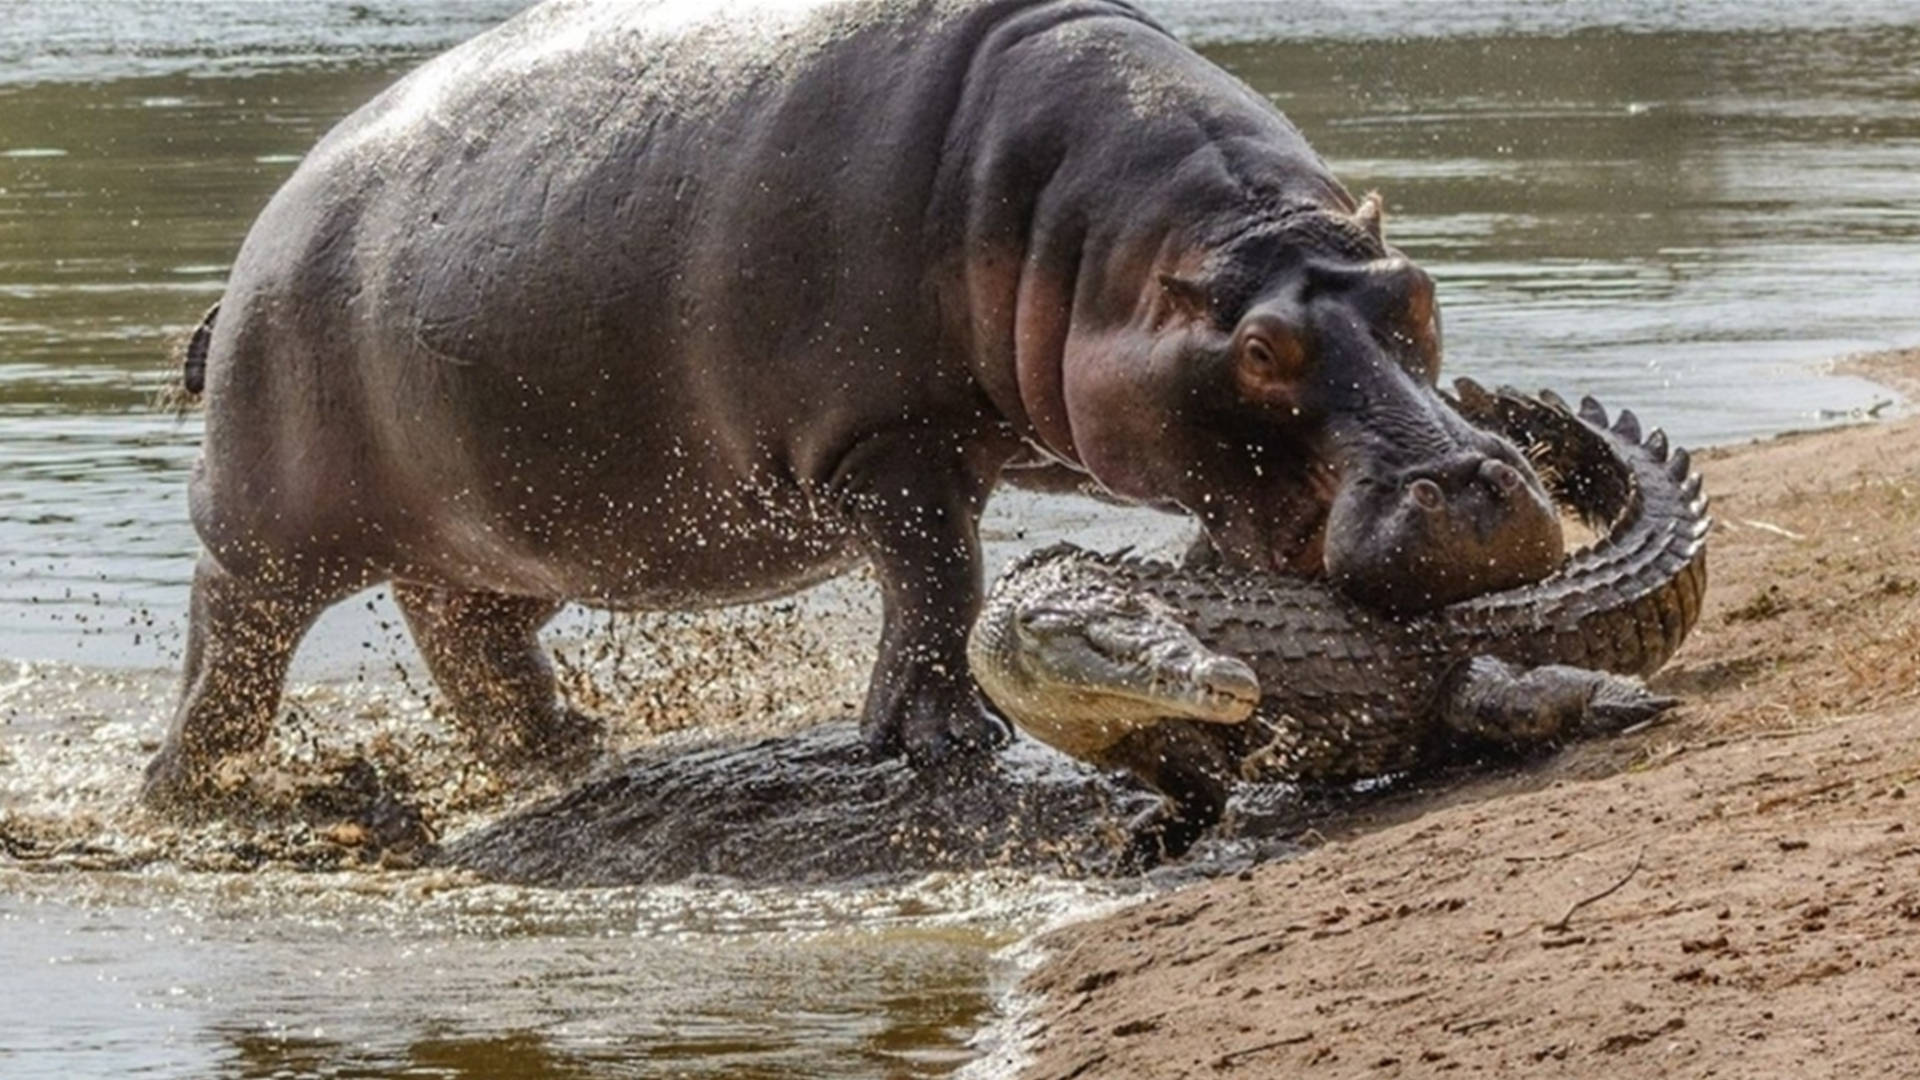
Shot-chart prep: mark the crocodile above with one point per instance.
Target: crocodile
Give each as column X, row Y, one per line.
column 1191, row 676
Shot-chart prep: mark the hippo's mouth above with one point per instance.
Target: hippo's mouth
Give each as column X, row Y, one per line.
column 1301, row 552
column 1287, row 534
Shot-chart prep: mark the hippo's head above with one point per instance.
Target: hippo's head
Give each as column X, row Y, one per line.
column 1280, row 387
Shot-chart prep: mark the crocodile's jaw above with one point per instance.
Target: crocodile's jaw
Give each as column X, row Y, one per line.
column 1081, row 674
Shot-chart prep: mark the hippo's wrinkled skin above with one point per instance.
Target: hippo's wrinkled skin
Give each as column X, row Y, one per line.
column 660, row 305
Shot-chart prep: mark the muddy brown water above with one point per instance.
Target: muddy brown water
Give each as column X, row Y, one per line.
column 1684, row 213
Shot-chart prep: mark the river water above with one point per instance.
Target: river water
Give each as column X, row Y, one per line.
column 1685, row 208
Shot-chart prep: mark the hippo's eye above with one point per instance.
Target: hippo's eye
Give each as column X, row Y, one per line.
column 1270, row 364
column 1277, row 358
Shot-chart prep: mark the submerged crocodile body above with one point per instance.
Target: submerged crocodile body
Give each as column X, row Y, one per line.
column 1192, row 677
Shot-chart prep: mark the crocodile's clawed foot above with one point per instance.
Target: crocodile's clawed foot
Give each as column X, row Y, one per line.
column 1155, row 838
column 1619, row 703
column 1520, row 707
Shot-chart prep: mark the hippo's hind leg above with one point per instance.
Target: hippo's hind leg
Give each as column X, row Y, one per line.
column 484, row 652
column 241, row 637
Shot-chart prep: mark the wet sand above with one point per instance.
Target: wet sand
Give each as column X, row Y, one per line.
column 1733, row 893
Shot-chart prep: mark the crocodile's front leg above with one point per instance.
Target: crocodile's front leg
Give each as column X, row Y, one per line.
column 1192, row 772
column 1506, row 704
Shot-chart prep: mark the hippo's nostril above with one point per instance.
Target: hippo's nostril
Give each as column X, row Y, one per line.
column 1426, row 494
column 1501, row 475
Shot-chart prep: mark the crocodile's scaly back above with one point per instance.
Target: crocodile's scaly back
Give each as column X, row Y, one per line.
column 1625, row 603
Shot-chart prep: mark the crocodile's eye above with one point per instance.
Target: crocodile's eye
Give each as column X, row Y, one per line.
column 1045, row 620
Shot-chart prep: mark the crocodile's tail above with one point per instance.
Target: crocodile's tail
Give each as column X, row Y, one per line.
column 181, row 396
column 1625, row 603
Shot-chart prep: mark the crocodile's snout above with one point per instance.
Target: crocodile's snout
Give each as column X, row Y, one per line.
column 1184, row 677
column 1079, row 664
column 1227, row 686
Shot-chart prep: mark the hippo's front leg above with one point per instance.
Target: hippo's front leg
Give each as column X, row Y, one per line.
column 916, row 504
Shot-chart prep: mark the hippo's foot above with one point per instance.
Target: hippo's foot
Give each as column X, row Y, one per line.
column 174, row 787
column 313, row 814
column 933, row 720
column 484, row 652
column 563, row 743
column 240, row 639
column 1201, row 554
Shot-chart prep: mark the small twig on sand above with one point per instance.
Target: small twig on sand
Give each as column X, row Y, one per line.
column 1556, row 856
column 1227, row 1059
column 1565, row 922
column 1811, row 793
column 1770, row 527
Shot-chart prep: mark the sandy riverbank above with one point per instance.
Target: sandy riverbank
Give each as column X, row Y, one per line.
column 1762, row 851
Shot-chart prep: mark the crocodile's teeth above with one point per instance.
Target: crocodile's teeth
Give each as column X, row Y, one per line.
column 1556, row 401
column 1627, row 426
column 1680, row 464
column 1592, row 412
column 1656, row 445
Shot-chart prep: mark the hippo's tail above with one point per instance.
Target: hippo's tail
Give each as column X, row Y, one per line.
column 183, row 395
column 193, row 373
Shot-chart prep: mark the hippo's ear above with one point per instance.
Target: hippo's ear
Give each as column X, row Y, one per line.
column 1184, row 297
column 1372, row 215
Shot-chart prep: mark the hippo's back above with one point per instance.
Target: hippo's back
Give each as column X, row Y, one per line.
column 585, row 157
column 699, row 181
column 603, row 236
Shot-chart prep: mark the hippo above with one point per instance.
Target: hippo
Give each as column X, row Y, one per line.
column 666, row 305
